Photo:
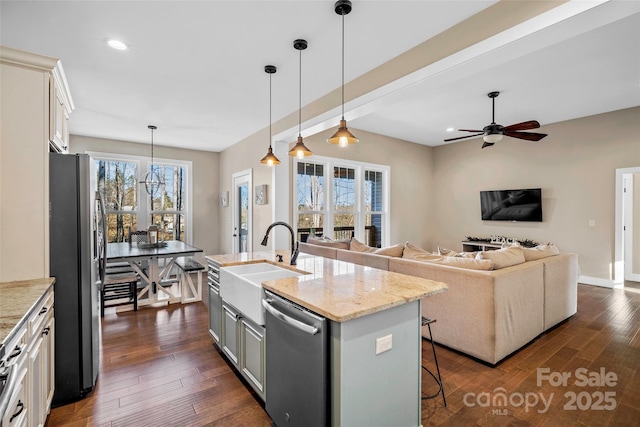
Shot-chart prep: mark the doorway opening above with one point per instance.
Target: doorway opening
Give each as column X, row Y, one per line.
column 627, row 227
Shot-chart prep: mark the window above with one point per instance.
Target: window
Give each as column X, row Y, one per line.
column 351, row 201
column 167, row 204
column 117, row 181
column 128, row 205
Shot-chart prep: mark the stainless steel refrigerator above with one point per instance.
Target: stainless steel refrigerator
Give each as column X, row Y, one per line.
column 73, row 227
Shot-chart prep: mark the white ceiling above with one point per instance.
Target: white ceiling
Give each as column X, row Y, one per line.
column 196, row 68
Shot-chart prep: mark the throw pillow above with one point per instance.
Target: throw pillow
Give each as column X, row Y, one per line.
column 447, row 252
column 325, row 241
column 540, row 251
column 394, row 251
column 410, row 250
column 503, row 257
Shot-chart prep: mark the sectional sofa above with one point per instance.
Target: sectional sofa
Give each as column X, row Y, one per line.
column 497, row 302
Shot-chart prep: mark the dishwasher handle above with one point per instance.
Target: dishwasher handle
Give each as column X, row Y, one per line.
column 301, row 326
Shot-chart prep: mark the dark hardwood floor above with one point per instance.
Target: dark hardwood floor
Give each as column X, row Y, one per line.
column 158, row 367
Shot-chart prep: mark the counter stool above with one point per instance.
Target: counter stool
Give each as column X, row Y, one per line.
column 427, row 322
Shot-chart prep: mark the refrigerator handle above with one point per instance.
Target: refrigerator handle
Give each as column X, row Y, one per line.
column 303, row 327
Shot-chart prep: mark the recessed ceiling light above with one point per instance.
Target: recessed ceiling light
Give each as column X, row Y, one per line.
column 117, row 44
column 450, row 129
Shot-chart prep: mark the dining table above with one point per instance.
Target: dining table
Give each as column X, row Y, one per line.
column 153, row 264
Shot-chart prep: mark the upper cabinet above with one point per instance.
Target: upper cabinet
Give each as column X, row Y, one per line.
column 60, row 107
column 35, row 104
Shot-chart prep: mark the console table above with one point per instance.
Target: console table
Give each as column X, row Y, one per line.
column 480, row 246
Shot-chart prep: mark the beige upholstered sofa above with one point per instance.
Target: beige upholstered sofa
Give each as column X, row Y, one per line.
column 485, row 314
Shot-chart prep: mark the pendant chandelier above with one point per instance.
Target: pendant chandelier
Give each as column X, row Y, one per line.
column 152, row 181
column 343, row 137
column 270, row 159
column 300, row 150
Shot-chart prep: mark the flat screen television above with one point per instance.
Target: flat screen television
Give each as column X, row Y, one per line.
column 511, row 205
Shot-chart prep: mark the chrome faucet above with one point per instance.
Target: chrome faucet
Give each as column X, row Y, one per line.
column 294, row 242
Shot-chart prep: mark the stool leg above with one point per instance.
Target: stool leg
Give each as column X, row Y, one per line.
column 444, row 400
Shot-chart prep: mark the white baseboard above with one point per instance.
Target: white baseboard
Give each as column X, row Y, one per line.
column 597, row 281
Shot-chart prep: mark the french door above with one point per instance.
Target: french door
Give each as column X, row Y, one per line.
column 242, row 211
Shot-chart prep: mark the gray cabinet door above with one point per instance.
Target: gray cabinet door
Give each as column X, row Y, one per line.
column 215, row 313
column 252, row 355
column 229, row 335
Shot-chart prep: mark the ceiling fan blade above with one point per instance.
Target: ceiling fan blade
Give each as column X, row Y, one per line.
column 487, row 144
column 529, row 136
column 470, row 130
column 463, row 137
column 531, row 124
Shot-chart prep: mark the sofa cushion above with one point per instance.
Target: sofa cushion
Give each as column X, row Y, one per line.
column 540, row 251
column 469, row 263
column 394, row 251
column 503, row 257
column 325, row 241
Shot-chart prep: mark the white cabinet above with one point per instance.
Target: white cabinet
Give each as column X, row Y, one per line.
column 25, row 102
column 60, row 106
column 40, row 369
column 30, row 356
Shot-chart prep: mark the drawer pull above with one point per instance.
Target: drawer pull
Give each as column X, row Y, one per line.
column 43, row 310
column 46, row 330
column 20, row 405
column 16, row 352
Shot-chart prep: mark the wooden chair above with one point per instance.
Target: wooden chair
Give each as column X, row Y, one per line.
column 189, row 291
column 121, row 288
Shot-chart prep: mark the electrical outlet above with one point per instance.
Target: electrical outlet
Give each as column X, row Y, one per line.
column 383, row 344
column 592, row 223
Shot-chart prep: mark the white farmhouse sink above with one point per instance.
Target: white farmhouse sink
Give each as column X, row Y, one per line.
column 241, row 286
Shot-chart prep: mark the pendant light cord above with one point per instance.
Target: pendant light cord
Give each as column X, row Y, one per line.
column 300, row 98
column 270, row 110
column 343, row 66
column 152, row 150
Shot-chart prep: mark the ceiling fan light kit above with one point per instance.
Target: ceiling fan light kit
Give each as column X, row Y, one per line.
column 494, row 132
column 270, row 159
column 343, row 137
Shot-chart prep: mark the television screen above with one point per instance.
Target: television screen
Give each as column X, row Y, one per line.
column 511, row 205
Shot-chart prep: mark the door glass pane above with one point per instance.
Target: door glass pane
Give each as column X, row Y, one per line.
column 373, row 203
column 344, row 191
column 243, row 212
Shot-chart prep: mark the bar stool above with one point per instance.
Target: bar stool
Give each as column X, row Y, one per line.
column 426, row 321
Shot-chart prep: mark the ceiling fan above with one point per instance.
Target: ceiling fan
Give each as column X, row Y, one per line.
column 494, row 132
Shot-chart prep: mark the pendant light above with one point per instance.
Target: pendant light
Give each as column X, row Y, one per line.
column 343, row 137
column 300, row 150
column 152, row 181
column 270, row 159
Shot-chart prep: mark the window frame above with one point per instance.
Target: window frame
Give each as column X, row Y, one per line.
column 143, row 163
column 328, row 164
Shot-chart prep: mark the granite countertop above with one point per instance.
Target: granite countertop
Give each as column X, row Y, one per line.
column 16, row 301
column 338, row 290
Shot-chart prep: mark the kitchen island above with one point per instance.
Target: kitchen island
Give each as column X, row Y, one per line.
column 374, row 334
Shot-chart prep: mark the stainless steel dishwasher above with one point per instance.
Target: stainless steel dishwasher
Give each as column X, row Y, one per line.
column 297, row 359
